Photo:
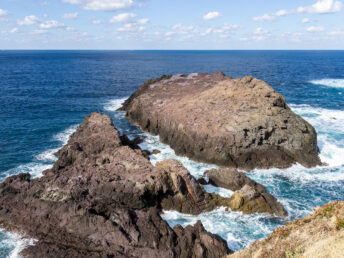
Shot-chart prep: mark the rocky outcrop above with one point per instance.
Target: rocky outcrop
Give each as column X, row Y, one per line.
column 103, row 198
column 249, row 196
column 320, row 234
column 213, row 118
column 197, row 198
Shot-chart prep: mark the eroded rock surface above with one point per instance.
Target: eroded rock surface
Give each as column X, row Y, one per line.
column 213, row 118
column 102, row 198
column 249, row 196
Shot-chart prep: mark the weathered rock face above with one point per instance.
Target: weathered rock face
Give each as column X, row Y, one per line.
column 102, row 198
column 249, row 196
column 213, row 118
column 320, row 234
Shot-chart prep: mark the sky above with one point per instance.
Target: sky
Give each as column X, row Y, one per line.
column 171, row 24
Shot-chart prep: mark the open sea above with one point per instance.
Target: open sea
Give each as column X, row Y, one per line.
column 44, row 95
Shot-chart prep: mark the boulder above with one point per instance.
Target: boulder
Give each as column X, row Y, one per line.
column 249, row 196
column 103, row 198
column 232, row 179
column 213, row 118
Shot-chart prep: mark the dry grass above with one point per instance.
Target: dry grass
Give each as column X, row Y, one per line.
column 320, row 234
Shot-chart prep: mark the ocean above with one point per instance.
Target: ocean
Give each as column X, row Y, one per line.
column 44, row 95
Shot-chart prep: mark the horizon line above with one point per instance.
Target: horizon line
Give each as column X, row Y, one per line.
column 75, row 49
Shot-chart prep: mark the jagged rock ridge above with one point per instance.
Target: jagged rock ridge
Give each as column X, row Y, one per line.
column 103, row 198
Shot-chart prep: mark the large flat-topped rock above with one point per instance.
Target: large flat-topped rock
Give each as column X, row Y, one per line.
column 231, row 122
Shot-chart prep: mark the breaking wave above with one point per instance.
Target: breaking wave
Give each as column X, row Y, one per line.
column 336, row 83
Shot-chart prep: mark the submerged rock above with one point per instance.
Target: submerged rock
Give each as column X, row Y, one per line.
column 213, row 118
column 103, row 198
column 320, row 234
column 249, row 196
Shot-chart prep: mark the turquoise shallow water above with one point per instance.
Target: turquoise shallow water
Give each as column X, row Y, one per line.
column 44, row 95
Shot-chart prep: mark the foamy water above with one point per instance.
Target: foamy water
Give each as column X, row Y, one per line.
column 299, row 189
column 43, row 160
column 336, row 83
column 15, row 242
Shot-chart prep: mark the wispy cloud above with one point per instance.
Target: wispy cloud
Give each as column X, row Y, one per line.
column 3, row 12
column 28, row 20
column 70, row 16
column 102, row 5
column 320, row 7
column 315, row 29
column 123, row 17
column 211, row 16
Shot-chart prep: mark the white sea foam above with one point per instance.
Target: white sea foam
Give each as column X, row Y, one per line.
column 43, row 160
column 337, row 83
column 218, row 190
column 152, row 142
column 329, row 125
column 34, row 168
column 237, row 228
column 48, row 155
column 15, row 242
column 62, row 137
column 114, row 104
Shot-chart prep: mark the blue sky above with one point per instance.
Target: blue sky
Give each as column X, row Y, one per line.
column 171, row 24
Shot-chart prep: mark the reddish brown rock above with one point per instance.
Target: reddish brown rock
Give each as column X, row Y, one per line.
column 102, row 198
column 249, row 196
column 213, row 118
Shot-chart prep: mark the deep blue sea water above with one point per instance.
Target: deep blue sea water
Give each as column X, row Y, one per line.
column 44, row 95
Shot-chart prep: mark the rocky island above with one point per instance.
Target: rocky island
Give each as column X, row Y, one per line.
column 241, row 123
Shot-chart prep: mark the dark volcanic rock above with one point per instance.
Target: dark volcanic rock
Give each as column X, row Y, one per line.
column 231, row 179
column 249, row 196
column 213, row 118
column 102, row 198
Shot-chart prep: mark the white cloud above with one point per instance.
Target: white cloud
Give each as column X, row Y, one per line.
column 50, row 24
column 143, row 21
column 211, row 15
column 272, row 17
column 131, row 27
column 322, row 6
column 123, row 17
column 170, row 33
column 96, row 21
column 102, row 5
column 281, row 12
column 305, row 20
column 315, row 29
column 70, row 16
column 259, row 31
column 265, row 17
column 336, row 32
column 224, row 31
column 39, row 31
column 14, row 30
column 28, row 20
column 3, row 12
column 179, row 27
